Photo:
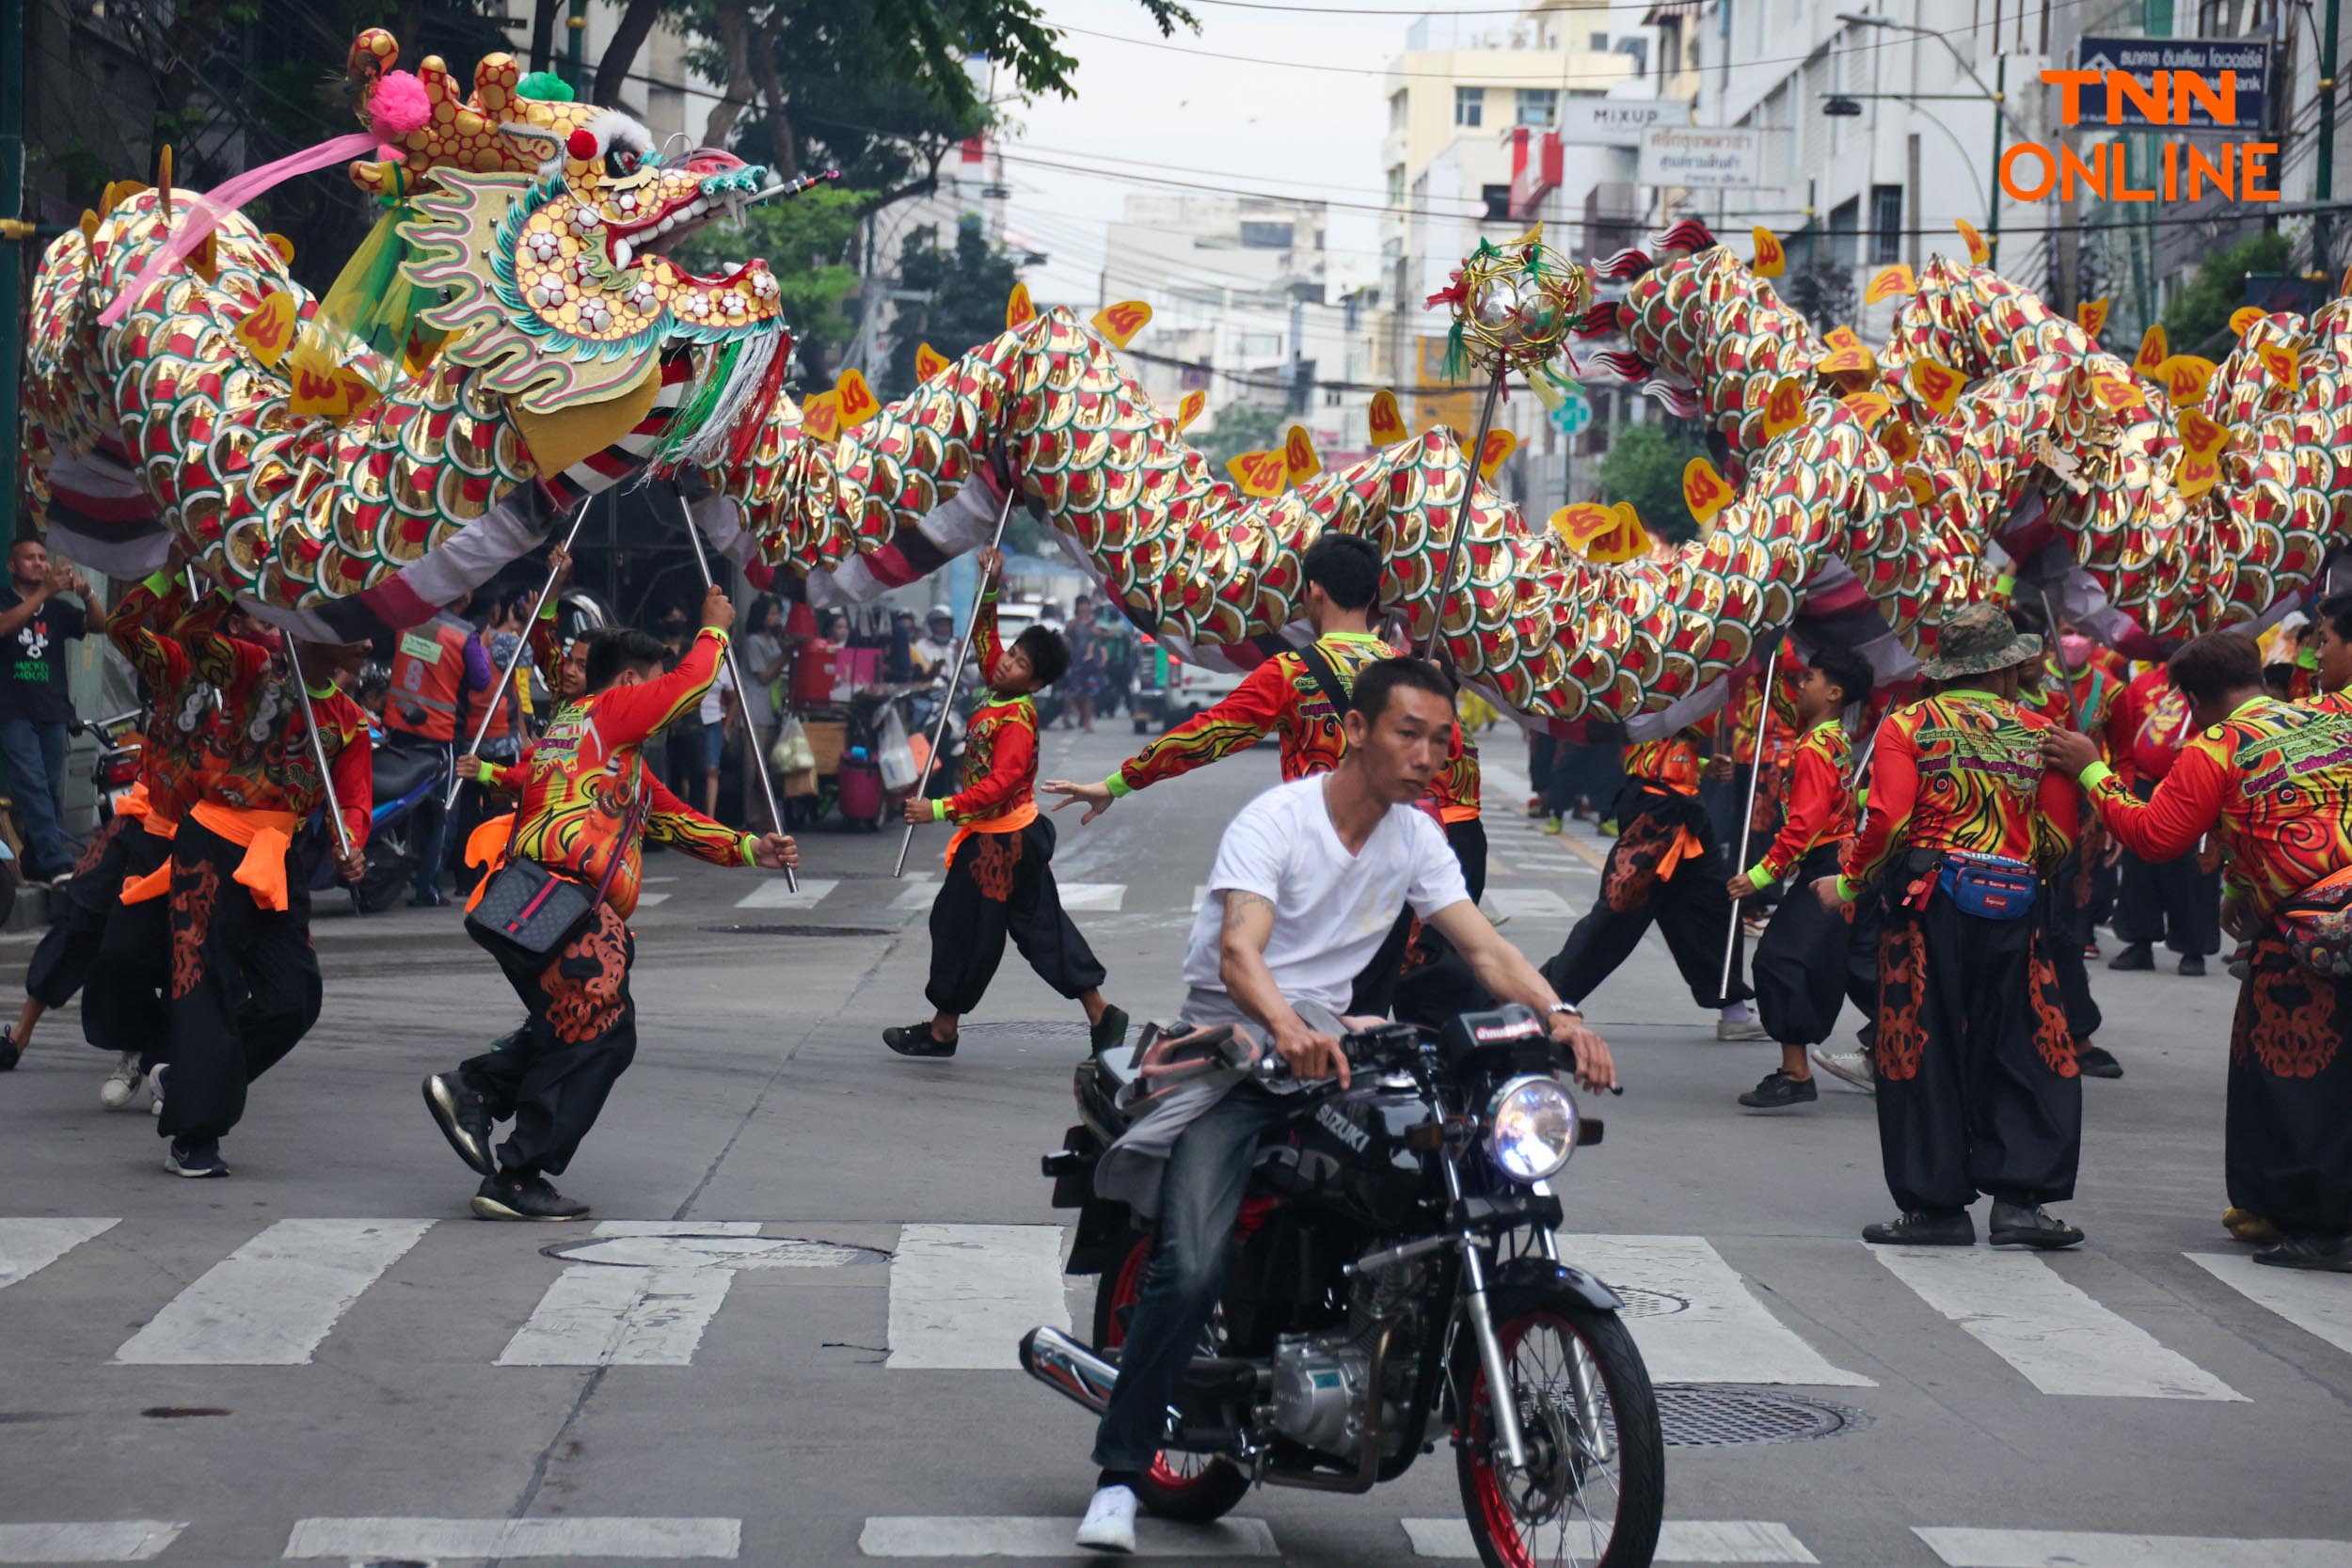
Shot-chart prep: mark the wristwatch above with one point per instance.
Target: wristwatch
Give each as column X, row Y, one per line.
column 1568, row 1007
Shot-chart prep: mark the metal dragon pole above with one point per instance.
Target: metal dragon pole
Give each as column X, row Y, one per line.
column 318, row 748
column 955, row 679
column 2066, row 672
column 1747, row 819
column 767, row 785
column 506, row 677
column 1461, row 513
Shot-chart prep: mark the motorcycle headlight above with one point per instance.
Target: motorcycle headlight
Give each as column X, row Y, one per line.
column 1530, row 1128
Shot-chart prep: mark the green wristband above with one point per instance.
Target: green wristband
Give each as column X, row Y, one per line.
column 1761, row 879
column 1119, row 786
column 2094, row 775
column 939, row 811
column 1846, row 891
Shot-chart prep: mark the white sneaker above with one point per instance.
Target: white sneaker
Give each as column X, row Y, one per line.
column 1749, row 1028
column 1110, row 1522
column 155, row 1087
column 1851, row 1066
column 122, row 1082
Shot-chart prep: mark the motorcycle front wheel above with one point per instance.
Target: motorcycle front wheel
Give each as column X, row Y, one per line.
column 1593, row 1491
column 1195, row 1488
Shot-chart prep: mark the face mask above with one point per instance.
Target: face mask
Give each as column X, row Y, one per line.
column 2077, row 647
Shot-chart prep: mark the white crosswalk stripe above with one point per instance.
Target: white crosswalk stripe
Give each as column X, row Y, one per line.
column 1533, row 903
column 600, row 1313
column 111, row 1541
column 269, row 1303
column 2050, row 1549
column 777, row 893
column 650, row 900
column 1678, row 1541
column 983, row 1535
column 963, row 1295
column 644, row 1540
column 2062, row 1340
column 29, row 1245
column 919, row 893
column 2318, row 1304
column 1713, row 1329
column 1103, row 897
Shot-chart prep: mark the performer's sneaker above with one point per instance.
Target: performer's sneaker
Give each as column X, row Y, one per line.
column 1749, row 1028
column 2029, row 1224
column 1552, row 823
column 2244, row 1225
column 524, row 1197
column 9, row 1051
column 1951, row 1229
column 2138, row 955
column 155, row 1090
column 1854, row 1067
column 2193, row 965
column 917, row 1040
column 2326, row 1254
column 462, row 1113
column 1105, row 1035
column 1779, row 1090
column 194, row 1158
column 122, row 1085
column 1110, row 1522
column 2096, row 1061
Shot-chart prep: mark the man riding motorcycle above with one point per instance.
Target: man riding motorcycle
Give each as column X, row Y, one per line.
column 1308, row 879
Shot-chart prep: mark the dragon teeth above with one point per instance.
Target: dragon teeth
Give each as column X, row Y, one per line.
column 620, row 252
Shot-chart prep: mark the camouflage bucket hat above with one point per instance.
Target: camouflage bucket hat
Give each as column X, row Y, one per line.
column 1978, row 641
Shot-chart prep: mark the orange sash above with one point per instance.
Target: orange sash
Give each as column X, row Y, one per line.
column 141, row 890
column 1012, row 821
column 1686, row 844
column 266, row 835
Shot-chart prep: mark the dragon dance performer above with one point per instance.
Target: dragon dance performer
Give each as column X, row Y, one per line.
column 588, row 806
column 1977, row 1090
column 2275, row 779
column 2067, row 681
column 1000, row 872
column 1809, row 959
column 1666, row 866
column 245, row 980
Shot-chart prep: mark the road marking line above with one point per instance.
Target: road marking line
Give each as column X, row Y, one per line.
column 1678, row 1541
column 1723, row 1334
column 963, row 1295
column 29, row 1246
column 597, row 1314
column 269, row 1303
column 1535, row 903
column 667, row 1540
column 920, row 892
column 2313, row 1303
column 980, row 1535
column 776, row 894
column 2052, row 1548
column 112, row 1541
column 2017, row 1306
column 1105, row 897
column 648, row 900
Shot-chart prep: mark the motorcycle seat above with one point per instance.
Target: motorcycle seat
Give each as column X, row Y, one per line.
column 394, row 773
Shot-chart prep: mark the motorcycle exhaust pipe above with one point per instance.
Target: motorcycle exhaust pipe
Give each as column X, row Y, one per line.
column 1061, row 1363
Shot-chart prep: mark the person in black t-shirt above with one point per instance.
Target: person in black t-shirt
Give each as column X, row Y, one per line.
column 34, row 707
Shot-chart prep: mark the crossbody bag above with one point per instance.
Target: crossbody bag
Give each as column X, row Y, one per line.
column 530, row 907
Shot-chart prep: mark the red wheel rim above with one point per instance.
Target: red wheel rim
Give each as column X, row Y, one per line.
column 1126, row 1290
column 1500, row 1521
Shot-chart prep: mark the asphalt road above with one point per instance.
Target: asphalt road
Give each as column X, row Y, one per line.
column 790, row 1340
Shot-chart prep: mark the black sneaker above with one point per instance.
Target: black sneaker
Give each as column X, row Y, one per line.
column 506, row 1196
column 1779, row 1090
column 9, row 1051
column 917, row 1040
column 2319, row 1252
column 2030, row 1225
column 2138, row 955
column 1108, row 1033
column 2096, row 1061
column 463, row 1114
column 194, row 1158
column 2193, row 965
column 1951, row 1228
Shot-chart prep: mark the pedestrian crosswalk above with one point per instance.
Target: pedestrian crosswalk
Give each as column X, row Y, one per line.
column 644, row 1293
column 914, row 894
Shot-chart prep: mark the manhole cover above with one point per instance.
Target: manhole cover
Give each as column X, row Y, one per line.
column 1717, row 1418
column 748, row 930
column 1023, row 1029
column 1647, row 1304
column 711, row 1252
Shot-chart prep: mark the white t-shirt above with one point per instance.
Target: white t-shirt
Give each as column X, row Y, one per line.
column 1331, row 909
column 713, row 709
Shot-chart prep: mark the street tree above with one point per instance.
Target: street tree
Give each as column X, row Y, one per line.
column 1645, row 466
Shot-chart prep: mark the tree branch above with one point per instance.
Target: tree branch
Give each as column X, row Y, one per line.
column 542, row 33
column 620, row 56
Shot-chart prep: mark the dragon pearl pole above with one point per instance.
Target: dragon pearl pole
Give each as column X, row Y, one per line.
column 767, row 785
column 506, row 677
column 318, row 748
column 955, row 679
column 1747, row 820
column 1461, row 513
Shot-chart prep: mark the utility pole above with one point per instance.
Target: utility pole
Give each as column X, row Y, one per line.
column 2323, row 167
column 575, row 71
column 16, row 235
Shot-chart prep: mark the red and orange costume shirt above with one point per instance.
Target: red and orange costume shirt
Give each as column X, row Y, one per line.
column 1672, row 764
column 1279, row 695
column 999, row 750
column 2149, row 727
column 147, row 623
column 2275, row 776
column 1821, row 807
column 1456, row 788
column 1963, row 771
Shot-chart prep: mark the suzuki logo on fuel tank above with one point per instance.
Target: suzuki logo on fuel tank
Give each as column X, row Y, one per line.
column 1340, row 1128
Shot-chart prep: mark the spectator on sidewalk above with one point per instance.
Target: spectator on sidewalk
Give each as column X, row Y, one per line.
column 35, row 710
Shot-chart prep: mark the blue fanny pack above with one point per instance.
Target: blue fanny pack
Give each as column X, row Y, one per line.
column 1991, row 887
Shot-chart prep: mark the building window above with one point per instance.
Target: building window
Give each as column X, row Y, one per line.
column 1599, row 42
column 1845, row 236
column 1886, row 224
column 1498, row 200
column 1396, row 113
column 1469, row 105
column 1396, row 186
column 1264, row 236
column 1539, row 107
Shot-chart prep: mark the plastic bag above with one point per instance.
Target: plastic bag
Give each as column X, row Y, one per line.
column 894, row 755
column 792, row 753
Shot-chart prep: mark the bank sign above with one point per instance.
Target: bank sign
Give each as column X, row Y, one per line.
column 2155, row 60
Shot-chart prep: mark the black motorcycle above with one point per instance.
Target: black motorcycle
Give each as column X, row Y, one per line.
column 1393, row 1265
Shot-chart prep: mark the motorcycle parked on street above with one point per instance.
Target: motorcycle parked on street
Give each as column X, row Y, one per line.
column 114, row 765
column 1394, row 1274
